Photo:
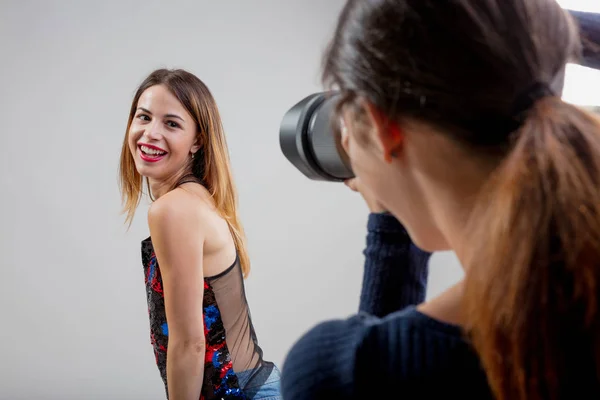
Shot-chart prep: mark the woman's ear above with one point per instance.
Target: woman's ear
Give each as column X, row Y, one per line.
column 388, row 134
column 197, row 145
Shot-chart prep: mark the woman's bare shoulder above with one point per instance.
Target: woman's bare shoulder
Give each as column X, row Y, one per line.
column 182, row 207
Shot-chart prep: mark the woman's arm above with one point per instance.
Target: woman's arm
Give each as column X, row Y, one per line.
column 396, row 270
column 178, row 240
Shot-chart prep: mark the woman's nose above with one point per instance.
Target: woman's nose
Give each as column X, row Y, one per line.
column 152, row 131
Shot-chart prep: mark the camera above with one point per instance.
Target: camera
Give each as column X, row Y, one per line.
column 310, row 139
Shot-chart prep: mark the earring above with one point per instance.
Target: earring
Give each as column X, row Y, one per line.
column 193, row 156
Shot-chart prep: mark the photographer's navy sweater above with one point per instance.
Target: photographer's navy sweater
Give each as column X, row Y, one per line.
column 389, row 349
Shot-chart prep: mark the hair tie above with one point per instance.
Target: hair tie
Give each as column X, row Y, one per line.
column 529, row 97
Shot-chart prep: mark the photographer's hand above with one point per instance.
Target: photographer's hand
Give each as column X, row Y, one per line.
column 372, row 203
column 396, row 271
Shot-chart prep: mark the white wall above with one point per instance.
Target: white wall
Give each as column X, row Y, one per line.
column 74, row 322
column 580, row 5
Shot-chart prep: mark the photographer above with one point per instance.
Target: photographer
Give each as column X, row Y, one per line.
column 453, row 122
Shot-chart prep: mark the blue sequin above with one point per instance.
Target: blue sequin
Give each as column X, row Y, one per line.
column 234, row 392
column 152, row 267
column 215, row 359
column 228, row 375
column 165, row 329
column 211, row 314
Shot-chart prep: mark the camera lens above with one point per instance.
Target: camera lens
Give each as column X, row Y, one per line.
column 310, row 140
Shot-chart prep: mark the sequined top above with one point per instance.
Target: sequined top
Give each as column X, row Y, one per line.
column 231, row 344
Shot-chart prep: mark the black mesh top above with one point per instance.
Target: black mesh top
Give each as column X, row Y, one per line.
column 231, row 344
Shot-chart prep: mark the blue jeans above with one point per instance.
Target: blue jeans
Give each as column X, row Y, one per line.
column 270, row 390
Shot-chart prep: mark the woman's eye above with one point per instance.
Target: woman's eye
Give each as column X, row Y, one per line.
column 144, row 117
column 173, row 124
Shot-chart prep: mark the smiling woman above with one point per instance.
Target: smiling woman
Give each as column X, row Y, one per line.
column 162, row 130
column 195, row 260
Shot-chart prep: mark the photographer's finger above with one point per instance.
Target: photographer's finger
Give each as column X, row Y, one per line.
column 352, row 184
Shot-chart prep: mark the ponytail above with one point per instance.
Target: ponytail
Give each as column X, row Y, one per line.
column 531, row 291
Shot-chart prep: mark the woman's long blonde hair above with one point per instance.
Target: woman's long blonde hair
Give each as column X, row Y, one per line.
column 211, row 166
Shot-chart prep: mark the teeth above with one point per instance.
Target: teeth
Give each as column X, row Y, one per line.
column 151, row 152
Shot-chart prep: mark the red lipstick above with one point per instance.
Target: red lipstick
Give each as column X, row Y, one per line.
column 151, row 153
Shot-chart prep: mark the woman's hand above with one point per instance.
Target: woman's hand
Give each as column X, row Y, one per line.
column 372, row 203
